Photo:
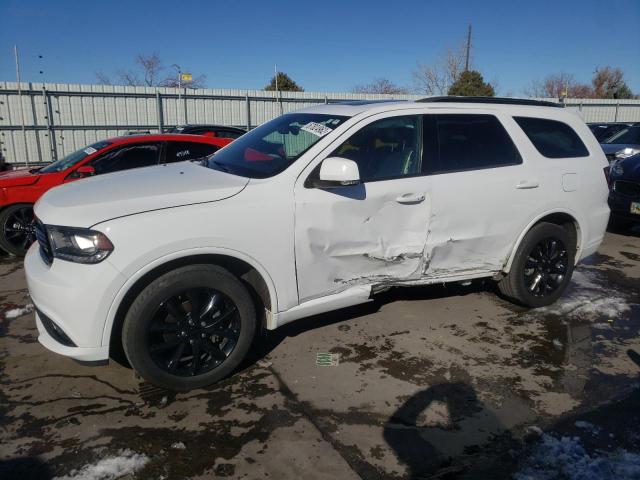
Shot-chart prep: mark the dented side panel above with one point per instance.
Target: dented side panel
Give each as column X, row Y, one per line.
column 477, row 217
column 360, row 235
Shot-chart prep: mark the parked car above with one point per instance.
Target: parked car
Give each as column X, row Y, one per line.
column 624, row 197
column 20, row 189
column 602, row 131
column 222, row 131
column 623, row 144
column 313, row 211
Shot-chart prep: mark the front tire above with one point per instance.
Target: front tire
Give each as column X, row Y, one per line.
column 542, row 266
column 17, row 229
column 189, row 328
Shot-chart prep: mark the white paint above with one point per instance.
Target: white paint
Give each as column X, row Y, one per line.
column 317, row 249
column 570, row 182
column 339, row 170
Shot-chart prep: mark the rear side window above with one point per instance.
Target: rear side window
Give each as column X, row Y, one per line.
column 459, row 142
column 229, row 134
column 551, row 138
column 127, row 157
column 180, row 151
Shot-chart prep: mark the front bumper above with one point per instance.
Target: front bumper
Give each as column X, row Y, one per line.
column 76, row 299
column 620, row 205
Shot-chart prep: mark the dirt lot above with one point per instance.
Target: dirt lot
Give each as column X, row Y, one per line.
column 437, row 382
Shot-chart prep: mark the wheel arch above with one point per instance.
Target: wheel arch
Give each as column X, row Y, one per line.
column 561, row 217
column 246, row 269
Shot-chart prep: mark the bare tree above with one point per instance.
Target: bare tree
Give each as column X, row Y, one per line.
column 381, row 85
column 103, row 78
column 437, row 78
column 559, row 85
column 149, row 71
column 609, row 82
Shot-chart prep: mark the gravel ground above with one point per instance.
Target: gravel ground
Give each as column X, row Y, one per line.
column 429, row 382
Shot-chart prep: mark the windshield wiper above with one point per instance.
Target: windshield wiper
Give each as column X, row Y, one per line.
column 221, row 166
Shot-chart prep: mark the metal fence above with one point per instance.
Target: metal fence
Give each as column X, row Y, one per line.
column 44, row 122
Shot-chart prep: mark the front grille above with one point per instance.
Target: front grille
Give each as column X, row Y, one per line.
column 54, row 330
column 43, row 241
column 628, row 189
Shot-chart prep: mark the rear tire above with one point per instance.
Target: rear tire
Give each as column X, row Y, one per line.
column 17, row 229
column 189, row 328
column 542, row 266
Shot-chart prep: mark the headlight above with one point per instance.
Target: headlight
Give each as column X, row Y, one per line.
column 617, row 170
column 79, row 245
column 627, row 152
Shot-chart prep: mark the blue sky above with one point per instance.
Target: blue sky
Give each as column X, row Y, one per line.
column 324, row 45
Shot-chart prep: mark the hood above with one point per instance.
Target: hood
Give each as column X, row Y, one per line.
column 612, row 148
column 631, row 169
column 18, row 178
column 90, row 201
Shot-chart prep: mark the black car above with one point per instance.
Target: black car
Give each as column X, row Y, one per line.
column 602, row 131
column 220, row 131
column 622, row 144
column 624, row 196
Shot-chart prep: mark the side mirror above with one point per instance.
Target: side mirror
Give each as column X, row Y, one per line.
column 85, row 171
column 338, row 172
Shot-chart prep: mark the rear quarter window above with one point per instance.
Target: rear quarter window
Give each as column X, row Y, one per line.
column 553, row 139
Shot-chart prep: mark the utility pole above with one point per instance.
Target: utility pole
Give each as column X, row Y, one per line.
column 466, row 61
column 179, row 70
column 275, row 69
column 24, row 133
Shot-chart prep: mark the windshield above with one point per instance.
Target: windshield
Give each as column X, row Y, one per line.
column 73, row 158
column 628, row 135
column 272, row 147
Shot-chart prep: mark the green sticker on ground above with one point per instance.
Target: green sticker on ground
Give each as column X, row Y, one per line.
column 327, row 359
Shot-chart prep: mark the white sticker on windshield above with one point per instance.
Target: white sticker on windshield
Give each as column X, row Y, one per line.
column 317, row 129
column 90, row 150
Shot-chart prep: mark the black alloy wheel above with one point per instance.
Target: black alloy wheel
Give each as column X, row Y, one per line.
column 542, row 266
column 546, row 267
column 190, row 327
column 194, row 332
column 18, row 229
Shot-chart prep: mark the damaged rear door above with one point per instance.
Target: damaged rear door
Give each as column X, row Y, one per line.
column 371, row 233
column 483, row 193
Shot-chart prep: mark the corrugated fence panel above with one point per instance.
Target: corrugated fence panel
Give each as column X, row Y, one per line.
column 62, row 118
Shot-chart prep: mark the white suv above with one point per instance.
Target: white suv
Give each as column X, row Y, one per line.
column 182, row 264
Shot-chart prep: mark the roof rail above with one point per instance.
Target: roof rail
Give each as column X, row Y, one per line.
column 494, row 100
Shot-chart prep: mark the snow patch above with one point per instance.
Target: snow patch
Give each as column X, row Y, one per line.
column 566, row 458
column 109, row 468
column 592, row 300
column 20, row 311
column 587, row 426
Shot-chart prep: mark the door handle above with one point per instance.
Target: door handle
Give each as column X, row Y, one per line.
column 409, row 198
column 525, row 185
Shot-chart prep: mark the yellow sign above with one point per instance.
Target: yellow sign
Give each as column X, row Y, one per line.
column 186, row 77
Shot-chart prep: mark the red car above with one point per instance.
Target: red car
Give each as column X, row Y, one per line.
column 20, row 189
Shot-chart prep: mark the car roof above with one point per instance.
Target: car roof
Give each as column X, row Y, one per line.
column 351, row 109
column 178, row 137
column 208, row 125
